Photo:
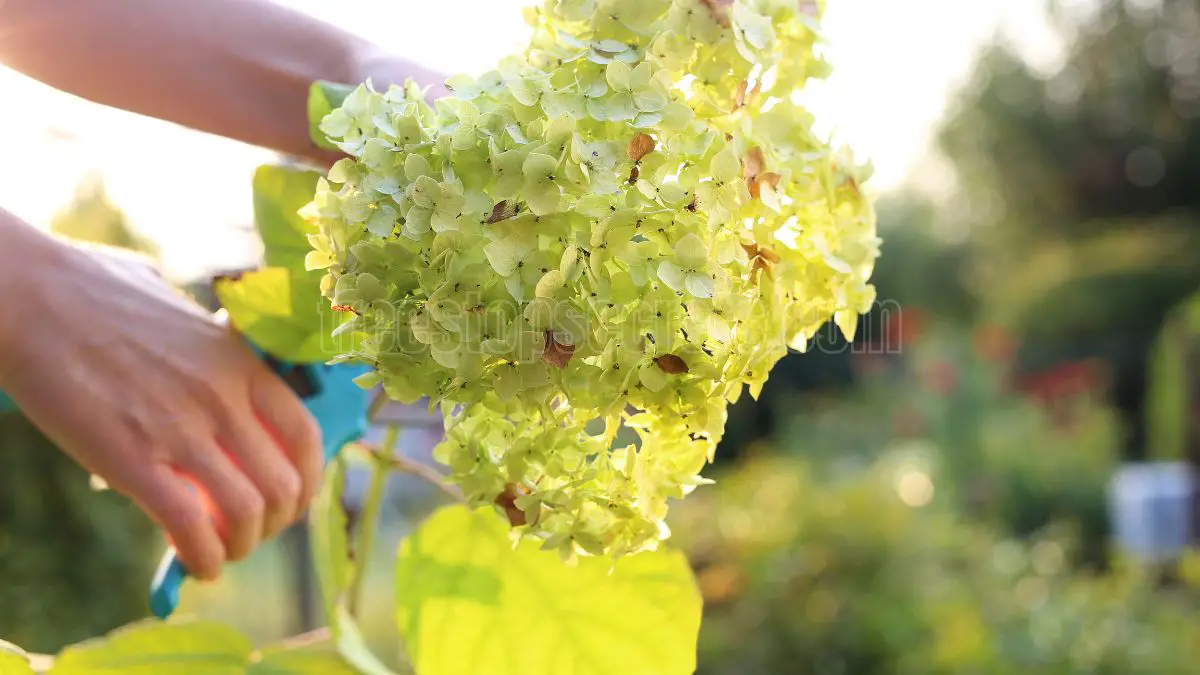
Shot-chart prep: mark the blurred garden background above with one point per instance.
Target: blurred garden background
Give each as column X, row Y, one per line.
column 936, row 496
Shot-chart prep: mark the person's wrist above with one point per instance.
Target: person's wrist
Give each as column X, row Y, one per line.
column 29, row 260
column 385, row 69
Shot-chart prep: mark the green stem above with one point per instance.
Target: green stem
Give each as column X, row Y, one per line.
column 380, row 470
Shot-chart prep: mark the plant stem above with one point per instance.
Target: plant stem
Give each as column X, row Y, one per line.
column 429, row 475
column 377, row 404
column 380, row 470
column 309, row 639
column 410, row 466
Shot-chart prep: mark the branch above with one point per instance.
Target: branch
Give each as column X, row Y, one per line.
column 377, row 404
column 415, row 468
column 309, row 639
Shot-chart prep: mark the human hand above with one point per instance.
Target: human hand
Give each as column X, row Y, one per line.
column 385, row 69
column 146, row 390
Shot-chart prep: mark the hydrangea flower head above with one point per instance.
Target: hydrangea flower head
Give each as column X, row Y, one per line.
column 586, row 254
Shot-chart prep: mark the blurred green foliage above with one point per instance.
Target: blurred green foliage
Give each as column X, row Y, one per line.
column 949, row 514
column 849, row 579
column 1175, row 381
column 1018, row 455
column 919, row 266
column 74, row 563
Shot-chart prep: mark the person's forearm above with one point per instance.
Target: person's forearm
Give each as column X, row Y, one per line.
column 27, row 257
column 236, row 68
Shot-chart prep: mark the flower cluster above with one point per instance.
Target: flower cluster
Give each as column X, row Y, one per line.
column 586, row 254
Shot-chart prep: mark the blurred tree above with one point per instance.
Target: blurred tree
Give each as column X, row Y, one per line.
column 91, row 216
column 1110, row 139
column 1078, row 186
column 73, row 563
column 920, row 268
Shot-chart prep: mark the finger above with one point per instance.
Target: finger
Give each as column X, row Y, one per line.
column 294, row 429
column 169, row 500
column 266, row 465
column 236, row 503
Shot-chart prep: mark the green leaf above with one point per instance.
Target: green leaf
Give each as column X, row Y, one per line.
column 153, row 648
column 330, row 546
column 279, row 194
column 280, row 308
column 191, row 648
column 469, row 603
column 283, row 318
column 323, row 97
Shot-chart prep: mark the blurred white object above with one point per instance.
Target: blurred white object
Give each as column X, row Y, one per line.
column 1150, row 504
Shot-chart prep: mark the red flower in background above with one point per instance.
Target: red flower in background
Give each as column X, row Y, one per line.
column 1068, row 380
column 993, row 343
column 941, row 377
column 901, row 328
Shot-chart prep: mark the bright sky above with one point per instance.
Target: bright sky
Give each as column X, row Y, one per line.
column 895, row 63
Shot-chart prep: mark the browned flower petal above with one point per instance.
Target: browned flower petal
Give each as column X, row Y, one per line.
column 639, row 146
column 507, row 500
column 853, row 185
column 671, row 364
column 753, row 163
column 761, row 259
column 557, row 355
column 502, row 211
column 634, row 174
column 739, row 96
column 754, row 185
column 717, row 9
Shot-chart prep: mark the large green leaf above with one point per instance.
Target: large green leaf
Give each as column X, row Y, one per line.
column 470, row 603
column 191, row 648
column 281, row 308
column 323, row 97
column 153, row 648
column 279, row 194
column 283, row 317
